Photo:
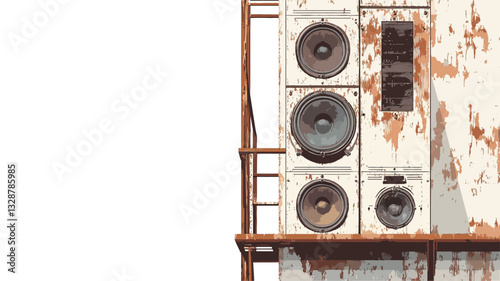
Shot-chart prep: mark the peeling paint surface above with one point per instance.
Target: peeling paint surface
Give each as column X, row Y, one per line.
column 465, row 96
column 451, row 139
column 401, row 138
column 328, row 262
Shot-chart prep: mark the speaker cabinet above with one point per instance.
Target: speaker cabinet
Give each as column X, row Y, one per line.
column 320, row 117
column 322, row 51
column 395, row 203
column 321, row 203
column 395, row 121
column 322, row 129
column 395, row 90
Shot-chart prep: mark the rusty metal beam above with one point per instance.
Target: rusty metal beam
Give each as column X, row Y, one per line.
column 245, row 12
column 244, row 151
column 267, row 204
column 263, row 4
column 250, row 264
column 431, row 259
column 263, row 175
column 289, row 239
column 264, row 16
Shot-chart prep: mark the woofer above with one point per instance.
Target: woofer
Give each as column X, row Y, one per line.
column 322, row 50
column 395, row 207
column 323, row 124
column 322, row 205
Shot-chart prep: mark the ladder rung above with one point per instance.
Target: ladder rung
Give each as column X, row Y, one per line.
column 266, row 175
column 267, row 204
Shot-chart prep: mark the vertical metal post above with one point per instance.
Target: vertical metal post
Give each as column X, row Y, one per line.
column 431, row 259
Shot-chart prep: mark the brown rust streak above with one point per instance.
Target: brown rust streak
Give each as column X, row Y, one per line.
column 452, row 172
column 478, row 134
column 466, row 74
column 480, row 261
column 440, row 70
column 476, row 32
column 421, row 75
column 437, row 142
column 393, row 128
column 433, row 29
column 370, row 86
column 483, row 229
column 371, row 38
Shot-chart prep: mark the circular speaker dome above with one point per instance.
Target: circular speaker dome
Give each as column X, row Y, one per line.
column 322, row 205
column 395, row 207
column 322, row 50
column 323, row 124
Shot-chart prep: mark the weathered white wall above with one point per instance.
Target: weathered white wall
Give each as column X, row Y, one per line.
column 464, row 153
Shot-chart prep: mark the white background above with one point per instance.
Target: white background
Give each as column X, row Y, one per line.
column 115, row 213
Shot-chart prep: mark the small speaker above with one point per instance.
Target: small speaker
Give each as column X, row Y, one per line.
column 322, row 205
column 395, row 207
column 323, row 124
column 322, row 50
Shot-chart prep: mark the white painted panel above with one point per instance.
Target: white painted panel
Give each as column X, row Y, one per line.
column 391, row 139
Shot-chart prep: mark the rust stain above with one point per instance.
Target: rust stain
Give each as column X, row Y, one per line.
column 440, row 70
column 466, row 74
column 474, row 192
column 483, row 229
column 480, row 179
column 421, row 70
column 371, row 36
column 437, row 142
column 476, row 32
column 435, row 230
column 451, row 29
column 455, row 267
column 433, row 29
column 370, row 86
column 479, row 134
column 480, row 261
column 393, row 128
column 451, row 172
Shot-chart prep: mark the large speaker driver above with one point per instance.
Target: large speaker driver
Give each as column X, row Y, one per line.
column 323, row 124
column 322, row 205
column 322, row 50
column 395, row 207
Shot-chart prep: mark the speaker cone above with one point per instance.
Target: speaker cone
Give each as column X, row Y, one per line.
column 323, row 124
column 322, row 205
column 395, row 207
column 322, row 50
